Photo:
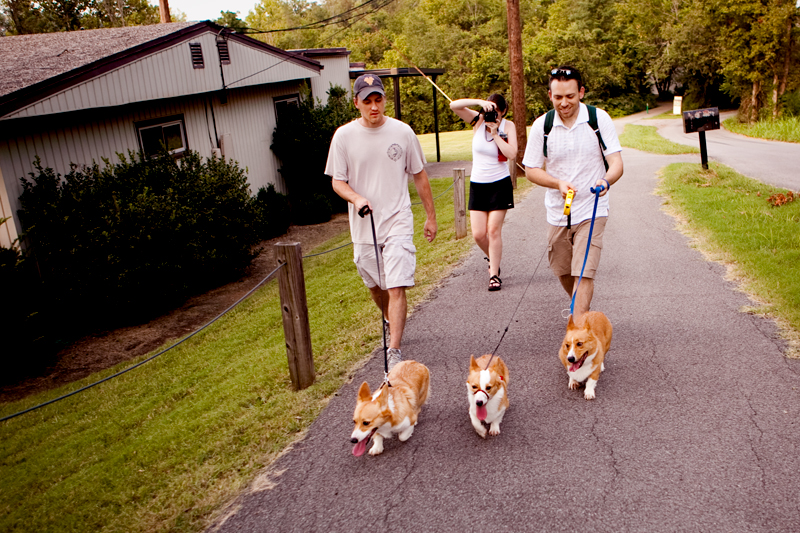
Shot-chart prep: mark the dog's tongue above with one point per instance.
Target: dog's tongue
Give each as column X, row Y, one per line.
column 358, row 449
column 481, row 412
column 575, row 366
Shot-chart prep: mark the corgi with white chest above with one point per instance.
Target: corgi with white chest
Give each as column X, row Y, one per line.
column 487, row 392
column 584, row 349
column 392, row 409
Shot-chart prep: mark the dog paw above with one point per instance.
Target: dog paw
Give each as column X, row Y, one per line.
column 494, row 430
column 573, row 384
column 405, row 435
column 589, row 394
column 481, row 432
column 375, row 450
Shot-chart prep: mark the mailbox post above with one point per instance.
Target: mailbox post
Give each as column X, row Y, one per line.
column 700, row 121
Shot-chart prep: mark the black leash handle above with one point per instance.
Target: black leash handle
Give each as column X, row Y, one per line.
column 364, row 211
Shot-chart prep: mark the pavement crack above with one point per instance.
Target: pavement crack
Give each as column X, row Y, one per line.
column 656, row 361
column 753, row 448
column 614, row 462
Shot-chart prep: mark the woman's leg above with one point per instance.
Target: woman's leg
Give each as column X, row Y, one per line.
column 494, row 230
column 478, row 221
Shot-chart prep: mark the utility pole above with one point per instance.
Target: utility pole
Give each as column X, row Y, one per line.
column 517, row 75
column 163, row 10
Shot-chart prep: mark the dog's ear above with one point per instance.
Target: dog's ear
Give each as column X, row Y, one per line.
column 364, row 394
column 571, row 323
column 473, row 364
column 383, row 397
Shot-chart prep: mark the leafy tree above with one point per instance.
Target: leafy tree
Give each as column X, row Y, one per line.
column 231, row 20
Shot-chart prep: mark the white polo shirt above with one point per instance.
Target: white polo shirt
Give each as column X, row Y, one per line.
column 573, row 155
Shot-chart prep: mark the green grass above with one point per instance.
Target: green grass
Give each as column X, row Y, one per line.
column 453, row 145
column 647, row 139
column 733, row 221
column 165, row 446
column 785, row 129
column 665, row 114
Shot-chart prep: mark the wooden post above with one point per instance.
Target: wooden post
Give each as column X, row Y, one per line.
column 460, row 202
column 163, row 11
column 294, row 309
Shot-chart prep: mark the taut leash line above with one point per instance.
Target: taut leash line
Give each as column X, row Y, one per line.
column 363, row 212
column 596, row 191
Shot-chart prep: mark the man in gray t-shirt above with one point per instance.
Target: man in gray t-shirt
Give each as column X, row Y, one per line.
column 370, row 160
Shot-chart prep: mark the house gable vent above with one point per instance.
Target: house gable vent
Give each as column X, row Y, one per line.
column 197, row 55
column 224, row 55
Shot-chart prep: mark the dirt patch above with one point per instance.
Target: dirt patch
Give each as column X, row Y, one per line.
column 104, row 350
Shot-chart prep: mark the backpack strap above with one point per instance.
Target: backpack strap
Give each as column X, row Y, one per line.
column 596, row 128
column 548, row 126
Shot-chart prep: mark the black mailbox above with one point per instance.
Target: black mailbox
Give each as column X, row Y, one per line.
column 701, row 120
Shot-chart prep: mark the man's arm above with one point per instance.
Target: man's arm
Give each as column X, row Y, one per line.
column 614, row 172
column 423, row 186
column 343, row 189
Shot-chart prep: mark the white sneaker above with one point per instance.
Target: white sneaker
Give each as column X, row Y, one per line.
column 393, row 356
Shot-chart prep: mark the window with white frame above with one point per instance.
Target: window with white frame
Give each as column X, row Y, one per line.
column 167, row 131
column 284, row 103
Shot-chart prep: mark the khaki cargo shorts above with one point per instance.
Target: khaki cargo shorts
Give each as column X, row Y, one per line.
column 398, row 262
column 567, row 248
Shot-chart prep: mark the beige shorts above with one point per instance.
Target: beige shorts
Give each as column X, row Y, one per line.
column 398, row 262
column 567, row 248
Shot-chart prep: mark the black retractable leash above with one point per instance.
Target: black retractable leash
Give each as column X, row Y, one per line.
column 362, row 213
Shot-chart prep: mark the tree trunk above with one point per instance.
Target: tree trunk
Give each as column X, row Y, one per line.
column 775, row 97
column 754, row 101
column 517, row 76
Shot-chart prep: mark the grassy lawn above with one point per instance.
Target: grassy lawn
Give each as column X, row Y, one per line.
column 666, row 114
column 733, row 221
column 647, row 139
column 453, row 145
column 167, row 445
column 785, row 129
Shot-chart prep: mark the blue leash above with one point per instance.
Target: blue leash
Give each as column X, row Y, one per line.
column 596, row 192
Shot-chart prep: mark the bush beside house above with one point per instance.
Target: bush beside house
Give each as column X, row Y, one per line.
column 126, row 242
column 301, row 141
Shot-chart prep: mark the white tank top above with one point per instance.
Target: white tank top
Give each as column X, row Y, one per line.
column 485, row 166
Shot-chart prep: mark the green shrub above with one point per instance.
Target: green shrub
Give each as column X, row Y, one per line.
column 790, row 102
column 273, row 214
column 28, row 339
column 301, row 141
column 130, row 240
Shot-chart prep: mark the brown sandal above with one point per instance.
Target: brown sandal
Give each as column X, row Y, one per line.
column 495, row 283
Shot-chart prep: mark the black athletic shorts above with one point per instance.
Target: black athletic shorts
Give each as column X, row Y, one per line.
column 491, row 196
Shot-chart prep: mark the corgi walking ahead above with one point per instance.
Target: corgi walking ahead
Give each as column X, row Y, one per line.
column 487, row 392
column 390, row 409
column 584, row 349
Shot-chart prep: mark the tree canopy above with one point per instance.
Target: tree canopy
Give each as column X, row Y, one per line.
column 713, row 52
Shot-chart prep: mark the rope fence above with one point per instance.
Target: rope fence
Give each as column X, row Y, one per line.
column 301, row 365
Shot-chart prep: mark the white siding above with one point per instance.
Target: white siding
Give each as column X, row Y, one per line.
column 336, row 72
column 169, row 73
column 86, row 137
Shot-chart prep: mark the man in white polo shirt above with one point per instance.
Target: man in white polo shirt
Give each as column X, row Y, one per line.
column 574, row 161
column 370, row 160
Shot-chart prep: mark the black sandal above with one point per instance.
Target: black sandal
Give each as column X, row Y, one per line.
column 490, row 268
column 495, row 283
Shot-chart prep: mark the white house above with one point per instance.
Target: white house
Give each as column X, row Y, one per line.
column 78, row 97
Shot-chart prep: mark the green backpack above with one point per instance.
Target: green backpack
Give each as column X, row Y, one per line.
column 548, row 126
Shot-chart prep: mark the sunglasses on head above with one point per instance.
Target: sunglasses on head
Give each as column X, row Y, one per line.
column 560, row 72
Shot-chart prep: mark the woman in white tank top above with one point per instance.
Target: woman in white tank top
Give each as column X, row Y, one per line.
column 491, row 193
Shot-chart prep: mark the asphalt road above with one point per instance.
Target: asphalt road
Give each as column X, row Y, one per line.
column 772, row 162
column 695, row 426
